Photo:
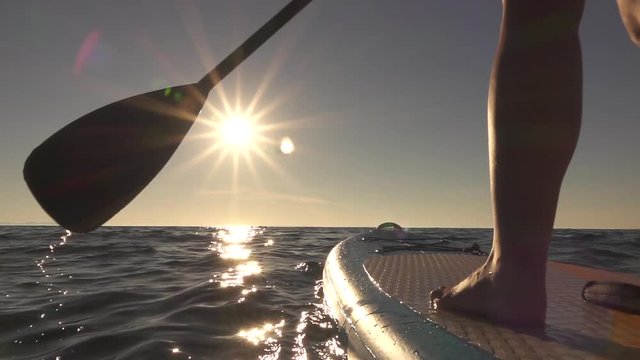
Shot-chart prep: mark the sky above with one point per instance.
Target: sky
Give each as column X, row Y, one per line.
column 385, row 102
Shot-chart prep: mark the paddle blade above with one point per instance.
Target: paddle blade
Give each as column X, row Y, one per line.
column 89, row 170
column 613, row 295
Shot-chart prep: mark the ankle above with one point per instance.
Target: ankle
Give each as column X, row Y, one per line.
column 528, row 255
column 514, row 269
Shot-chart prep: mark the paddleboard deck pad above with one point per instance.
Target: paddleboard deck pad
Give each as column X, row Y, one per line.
column 380, row 300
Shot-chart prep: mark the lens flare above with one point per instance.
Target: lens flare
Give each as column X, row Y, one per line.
column 286, row 146
column 87, row 49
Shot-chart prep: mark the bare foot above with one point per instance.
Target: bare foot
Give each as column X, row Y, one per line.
column 513, row 295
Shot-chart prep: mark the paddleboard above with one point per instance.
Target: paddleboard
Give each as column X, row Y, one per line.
column 380, row 300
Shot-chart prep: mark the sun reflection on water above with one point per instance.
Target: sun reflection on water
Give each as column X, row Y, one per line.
column 235, row 276
column 233, row 242
column 262, row 333
column 236, row 252
column 237, row 233
column 266, row 334
column 232, row 245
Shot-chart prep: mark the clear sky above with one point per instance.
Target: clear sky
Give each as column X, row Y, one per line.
column 385, row 102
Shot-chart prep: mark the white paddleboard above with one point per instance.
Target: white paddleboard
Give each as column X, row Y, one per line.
column 381, row 303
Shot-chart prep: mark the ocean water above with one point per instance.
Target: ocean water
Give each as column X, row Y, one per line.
column 202, row 293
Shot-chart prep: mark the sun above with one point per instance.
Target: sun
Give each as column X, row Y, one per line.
column 237, row 130
column 244, row 136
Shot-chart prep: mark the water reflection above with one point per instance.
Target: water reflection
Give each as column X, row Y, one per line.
column 314, row 322
column 237, row 233
column 179, row 353
column 311, row 335
column 236, row 252
column 262, row 333
column 267, row 335
column 53, row 280
column 246, row 292
column 235, row 276
column 233, row 242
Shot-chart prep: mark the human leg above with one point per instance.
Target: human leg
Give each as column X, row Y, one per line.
column 535, row 100
column 630, row 14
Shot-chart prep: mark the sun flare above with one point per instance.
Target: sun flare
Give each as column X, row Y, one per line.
column 245, row 135
column 235, row 148
column 237, row 130
column 238, row 133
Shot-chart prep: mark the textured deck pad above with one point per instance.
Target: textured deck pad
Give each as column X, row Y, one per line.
column 574, row 329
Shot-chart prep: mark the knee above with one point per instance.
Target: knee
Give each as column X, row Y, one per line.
column 632, row 24
column 630, row 14
column 635, row 36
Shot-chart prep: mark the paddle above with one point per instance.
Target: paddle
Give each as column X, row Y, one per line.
column 92, row 168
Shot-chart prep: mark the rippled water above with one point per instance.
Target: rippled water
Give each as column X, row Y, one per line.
column 201, row 293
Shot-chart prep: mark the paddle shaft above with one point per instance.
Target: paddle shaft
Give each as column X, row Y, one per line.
column 250, row 45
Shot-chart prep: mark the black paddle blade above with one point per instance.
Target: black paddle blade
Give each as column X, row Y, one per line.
column 613, row 295
column 89, row 170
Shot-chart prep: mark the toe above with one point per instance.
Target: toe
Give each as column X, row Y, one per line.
column 436, row 295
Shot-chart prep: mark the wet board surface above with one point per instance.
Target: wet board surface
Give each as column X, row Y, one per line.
column 381, row 303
